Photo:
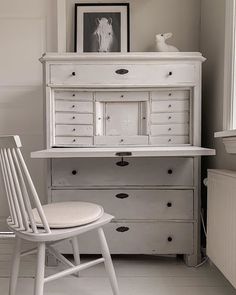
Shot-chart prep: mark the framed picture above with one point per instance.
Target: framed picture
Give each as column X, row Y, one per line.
column 102, row 27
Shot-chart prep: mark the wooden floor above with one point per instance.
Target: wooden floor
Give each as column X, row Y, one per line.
column 143, row 275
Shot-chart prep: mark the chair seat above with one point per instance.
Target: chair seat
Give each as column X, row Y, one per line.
column 69, row 214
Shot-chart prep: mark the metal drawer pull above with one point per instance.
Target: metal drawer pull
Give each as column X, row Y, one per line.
column 169, row 106
column 74, row 172
column 73, row 106
column 73, row 94
column 169, row 129
column 122, row 71
column 169, row 118
column 122, row 196
column 170, row 171
column 169, row 204
column 73, row 117
column 74, row 140
column 170, row 94
column 73, row 73
column 73, row 129
column 169, row 239
column 122, row 163
column 122, row 229
column 170, row 73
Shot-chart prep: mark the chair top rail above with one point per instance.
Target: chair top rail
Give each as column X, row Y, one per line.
column 10, row 141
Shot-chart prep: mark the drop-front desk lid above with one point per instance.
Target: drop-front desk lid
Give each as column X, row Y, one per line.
column 106, row 152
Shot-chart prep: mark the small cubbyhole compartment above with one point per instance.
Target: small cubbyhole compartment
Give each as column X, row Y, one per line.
column 121, row 119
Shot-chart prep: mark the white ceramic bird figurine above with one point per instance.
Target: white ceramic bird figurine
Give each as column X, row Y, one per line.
column 161, row 45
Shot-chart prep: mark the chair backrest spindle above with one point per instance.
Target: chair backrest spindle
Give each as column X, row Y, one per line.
column 7, row 187
column 18, row 192
column 13, row 191
column 25, row 194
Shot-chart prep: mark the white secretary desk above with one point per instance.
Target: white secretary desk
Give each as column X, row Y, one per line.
column 124, row 131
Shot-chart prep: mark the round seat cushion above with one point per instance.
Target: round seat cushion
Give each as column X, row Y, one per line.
column 69, row 214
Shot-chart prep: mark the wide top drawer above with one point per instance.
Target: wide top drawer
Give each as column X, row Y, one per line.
column 108, row 74
column 114, row 172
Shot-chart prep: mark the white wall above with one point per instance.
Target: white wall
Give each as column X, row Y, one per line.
column 212, row 47
column 26, row 31
column 149, row 17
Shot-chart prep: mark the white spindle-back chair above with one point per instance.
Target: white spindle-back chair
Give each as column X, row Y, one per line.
column 30, row 221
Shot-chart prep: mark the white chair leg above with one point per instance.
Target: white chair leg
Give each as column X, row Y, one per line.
column 108, row 262
column 75, row 247
column 40, row 269
column 15, row 267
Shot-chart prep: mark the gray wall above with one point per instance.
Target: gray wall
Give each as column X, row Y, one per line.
column 149, row 17
column 212, row 47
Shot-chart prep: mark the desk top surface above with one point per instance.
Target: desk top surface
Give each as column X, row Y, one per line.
column 93, row 152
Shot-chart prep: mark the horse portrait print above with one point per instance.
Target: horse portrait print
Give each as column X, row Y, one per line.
column 102, row 32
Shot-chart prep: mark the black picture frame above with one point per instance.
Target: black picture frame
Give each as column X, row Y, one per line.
column 115, row 17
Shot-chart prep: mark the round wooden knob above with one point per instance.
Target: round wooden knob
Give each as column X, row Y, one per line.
column 169, row 239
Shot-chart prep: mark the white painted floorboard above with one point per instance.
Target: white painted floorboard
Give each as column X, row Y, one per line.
column 145, row 275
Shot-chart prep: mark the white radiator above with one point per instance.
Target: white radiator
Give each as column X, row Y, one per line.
column 221, row 222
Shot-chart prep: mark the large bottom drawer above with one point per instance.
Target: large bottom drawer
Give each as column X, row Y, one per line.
column 133, row 203
column 139, row 238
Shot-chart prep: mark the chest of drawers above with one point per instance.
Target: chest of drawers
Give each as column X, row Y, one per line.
column 151, row 101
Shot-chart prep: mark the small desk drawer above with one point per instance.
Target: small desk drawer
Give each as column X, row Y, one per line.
column 172, row 129
column 69, row 118
column 169, row 118
column 73, row 95
column 169, row 140
column 74, row 106
column 74, row 130
column 132, row 204
column 170, row 94
column 73, row 141
column 122, row 96
column 158, row 74
column 109, row 172
column 121, row 140
column 170, row 106
column 140, row 238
